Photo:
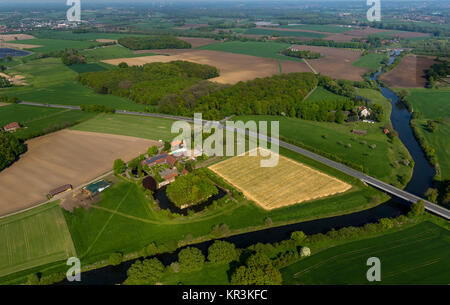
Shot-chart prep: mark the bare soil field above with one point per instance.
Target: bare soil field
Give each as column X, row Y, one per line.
column 286, row 184
column 362, row 33
column 233, row 67
column 106, row 40
column 190, row 26
column 198, row 42
column 410, row 73
column 4, row 104
column 292, row 30
column 17, row 80
column 64, row 157
column 336, row 63
column 20, row 46
column 13, row 37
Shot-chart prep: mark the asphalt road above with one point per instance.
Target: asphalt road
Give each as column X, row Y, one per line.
column 389, row 189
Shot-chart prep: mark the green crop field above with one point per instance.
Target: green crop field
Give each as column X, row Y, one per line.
column 413, row 256
column 69, row 35
column 299, row 33
column 111, row 52
column 49, row 81
column 370, row 61
column 383, row 162
column 127, row 125
column 260, row 49
column 326, row 28
column 38, row 120
column 434, row 105
column 34, row 238
column 85, row 68
column 49, row 45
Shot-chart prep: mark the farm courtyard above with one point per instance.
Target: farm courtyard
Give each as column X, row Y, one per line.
column 65, row 157
column 286, row 184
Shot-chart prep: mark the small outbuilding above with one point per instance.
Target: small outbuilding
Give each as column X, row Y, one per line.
column 61, row 189
column 96, row 188
column 11, row 127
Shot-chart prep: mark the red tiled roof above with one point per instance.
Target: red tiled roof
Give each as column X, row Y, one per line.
column 13, row 125
column 171, row 160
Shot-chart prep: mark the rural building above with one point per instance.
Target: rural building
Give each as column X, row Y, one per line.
column 360, row 132
column 11, row 127
column 160, row 159
column 61, row 189
column 96, row 188
column 364, row 112
column 386, row 131
column 175, row 145
column 169, row 176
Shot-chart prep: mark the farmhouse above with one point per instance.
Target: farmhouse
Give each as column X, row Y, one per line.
column 96, row 188
column 61, row 189
column 160, row 159
column 169, row 176
column 11, row 127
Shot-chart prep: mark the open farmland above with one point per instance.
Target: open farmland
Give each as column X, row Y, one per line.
column 34, row 238
column 336, row 63
column 410, row 73
column 14, row 37
column 285, row 33
column 233, row 67
column 413, row 256
column 365, row 32
column 49, row 45
column 64, row 157
column 286, row 184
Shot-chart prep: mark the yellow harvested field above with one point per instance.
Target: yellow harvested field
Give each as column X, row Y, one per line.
column 64, row 157
column 286, row 184
column 106, row 40
column 13, row 37
column 20, row 46
column 233, row 67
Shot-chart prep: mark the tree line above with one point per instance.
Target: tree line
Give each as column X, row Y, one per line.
column 301, row 54
column 154, row 42
column 10, row 149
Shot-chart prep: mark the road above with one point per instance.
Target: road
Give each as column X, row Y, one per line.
column 387, row 188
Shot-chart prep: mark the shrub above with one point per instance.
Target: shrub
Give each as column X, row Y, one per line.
column 119, row 166
column 146, row 272
column 222, row 252
column 417, row 209
column 305, row 252
column 115, row 259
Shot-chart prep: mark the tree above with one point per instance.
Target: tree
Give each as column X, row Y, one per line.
column 339, row 117
column 10, row 149
column 305, row 251
column 298, row 236
column 119, row 166
column 432, row 195
column 146, row 272
column 417, row 209
column 152, row 151
column 432, row 126
column 191, row 259
column 222, row 252
column 115, row 259
column 123, row 65
column 258, row 270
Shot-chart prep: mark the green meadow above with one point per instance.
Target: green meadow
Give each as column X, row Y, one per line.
column 49, row 45
column 39, row 120
column 326, row 28
column 370, row 61
column 322, row 94
column 260, row 49
column 49, row 81
column 433, row 104
column 383, row 162
column 34, row 238
column 110, row 52
column 414, row 256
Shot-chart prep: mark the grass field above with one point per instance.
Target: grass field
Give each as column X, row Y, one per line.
column 433, row 105
column 417, row 255
column 49, row 45
column 383, row 162
column 69, row 35
column 85, row 68
column 126, row 125
column 322, row 94
column 111, row 52
column 52, row 82
column 260, row 49
column 269, row 32
column 326, row 28
column 39, row 120
column 370, row 61
column 34, row 238
column 278, row 186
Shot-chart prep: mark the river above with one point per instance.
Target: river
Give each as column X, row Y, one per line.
column 421, row 180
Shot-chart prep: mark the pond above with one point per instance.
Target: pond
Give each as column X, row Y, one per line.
column 11, row 52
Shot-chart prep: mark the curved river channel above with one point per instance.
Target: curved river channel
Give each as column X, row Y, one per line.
column 420, row 182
